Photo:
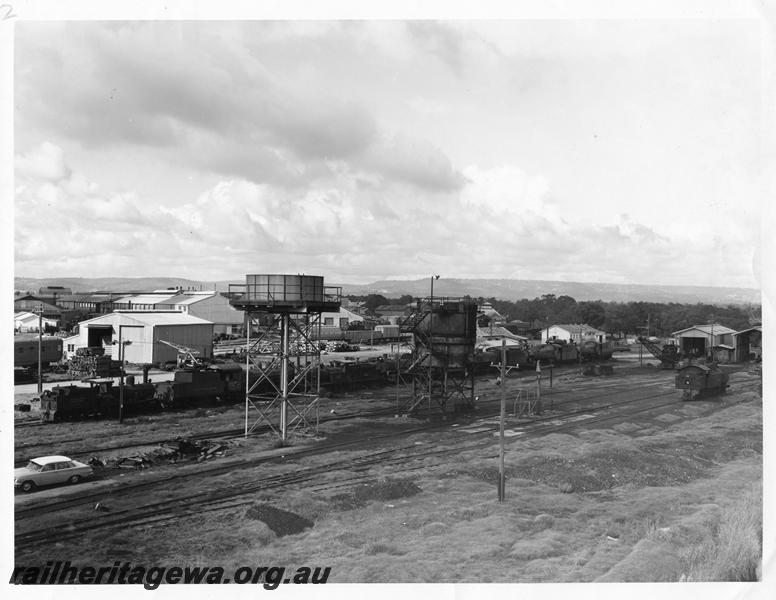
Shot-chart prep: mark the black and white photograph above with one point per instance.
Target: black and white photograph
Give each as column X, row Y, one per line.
column 349, row 293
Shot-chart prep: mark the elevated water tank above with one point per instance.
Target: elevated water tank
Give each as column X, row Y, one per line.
column 270, row 292
column 284, row 288
column 449, row 331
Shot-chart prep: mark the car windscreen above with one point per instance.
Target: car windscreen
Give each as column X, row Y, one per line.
column 33, row 466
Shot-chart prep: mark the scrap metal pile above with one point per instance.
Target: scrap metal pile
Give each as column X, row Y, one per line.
column 340, row 346
column 170, row 451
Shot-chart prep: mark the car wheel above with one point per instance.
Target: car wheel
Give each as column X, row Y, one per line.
column 75, row 479
column 28, row 486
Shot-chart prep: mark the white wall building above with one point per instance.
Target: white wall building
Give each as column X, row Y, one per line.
column 211, row 306
column 493, row 337
column 144, row 331
column 341, row 319
column 698, row 340
column 69, row 345
column 573, row 333
column 27, row 322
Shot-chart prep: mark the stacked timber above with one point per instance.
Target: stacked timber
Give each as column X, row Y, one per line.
column 90, row 362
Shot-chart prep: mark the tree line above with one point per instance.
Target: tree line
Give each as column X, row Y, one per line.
column 372, row 301
column 624, row 318
column 661, row 319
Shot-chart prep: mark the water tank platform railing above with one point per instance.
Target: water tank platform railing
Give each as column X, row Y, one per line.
column 447, row 303
column 264, row 297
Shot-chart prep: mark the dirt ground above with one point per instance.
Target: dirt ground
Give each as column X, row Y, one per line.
column 629, row 500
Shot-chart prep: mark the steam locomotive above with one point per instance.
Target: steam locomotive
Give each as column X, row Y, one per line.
column 195, row 386
column 101, row 399
column 554, row 352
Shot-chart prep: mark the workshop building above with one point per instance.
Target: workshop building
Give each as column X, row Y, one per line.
column 142, row 333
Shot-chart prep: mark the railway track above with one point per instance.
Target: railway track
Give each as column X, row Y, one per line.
column 235, row 433
column 31, row 423
column 401, row 462
column 172, row 508
column 538, row 426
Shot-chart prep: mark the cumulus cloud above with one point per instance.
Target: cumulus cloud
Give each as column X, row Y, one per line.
column 504, row 188
column 501, row 223
column 62, row 219
column 373, row 149
column 46, row 163
column 223, row 102
column 440, row 40
column 400, row 157
column 320, row 127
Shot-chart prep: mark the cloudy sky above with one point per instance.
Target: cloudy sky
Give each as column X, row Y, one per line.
column 566, row 149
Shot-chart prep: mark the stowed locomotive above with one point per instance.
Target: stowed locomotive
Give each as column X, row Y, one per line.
column 101, row 399
column 198, row 386
column 701, row 381
column 554, row 352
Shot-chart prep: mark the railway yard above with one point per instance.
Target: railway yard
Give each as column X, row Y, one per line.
column 617, row 479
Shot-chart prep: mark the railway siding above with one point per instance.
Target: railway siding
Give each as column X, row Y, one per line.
column 573, row 483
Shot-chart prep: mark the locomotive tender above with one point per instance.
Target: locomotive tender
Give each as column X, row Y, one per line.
column 699, row 381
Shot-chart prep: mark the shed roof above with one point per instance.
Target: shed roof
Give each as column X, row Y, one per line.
column 498, row 332
column 487, row 309
column 390, row 308
column 160, row 317
column 487, row 344
column 344, row 312
column 147, row 298
column 755, row 328
column 90, row 297
column 707, row 329
column 191, row 298
column 29, row 316
column 577, row 328
column 44, row 301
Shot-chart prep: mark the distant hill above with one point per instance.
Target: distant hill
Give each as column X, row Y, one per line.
column 503, row 289
column 515, row 289
column 116, row 284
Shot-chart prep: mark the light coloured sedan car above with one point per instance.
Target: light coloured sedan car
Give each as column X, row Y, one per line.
column 50, row 470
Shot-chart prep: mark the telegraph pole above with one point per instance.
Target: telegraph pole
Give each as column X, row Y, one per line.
column 539, row 387
column 122, row 344
column 121, row 378
column 40, row 348
column 247, row 370
column 431, row 341
column 501, row 474
column 711, row 349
